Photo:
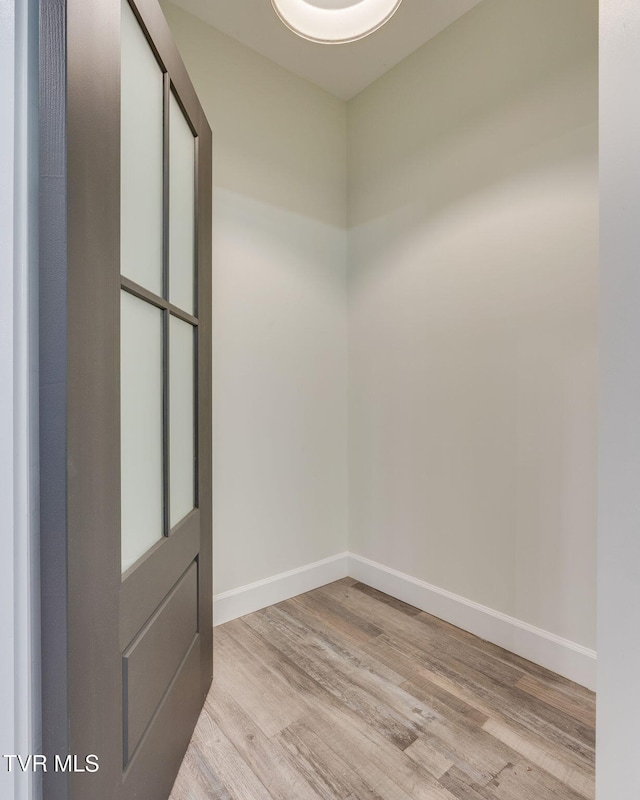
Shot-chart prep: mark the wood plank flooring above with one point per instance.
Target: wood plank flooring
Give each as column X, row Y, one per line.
column 347, row 694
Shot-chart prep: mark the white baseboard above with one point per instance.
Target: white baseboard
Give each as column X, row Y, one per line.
column 254, row 596
column 560, row 655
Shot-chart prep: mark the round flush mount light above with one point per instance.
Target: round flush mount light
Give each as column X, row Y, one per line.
column 335, row 21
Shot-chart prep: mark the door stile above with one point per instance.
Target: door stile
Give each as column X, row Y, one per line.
column 204, row 350
column 93, row 386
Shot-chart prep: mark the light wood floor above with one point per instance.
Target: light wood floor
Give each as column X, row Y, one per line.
column 347, row 694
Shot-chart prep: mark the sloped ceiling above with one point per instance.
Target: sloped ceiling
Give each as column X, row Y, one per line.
column 343, row 70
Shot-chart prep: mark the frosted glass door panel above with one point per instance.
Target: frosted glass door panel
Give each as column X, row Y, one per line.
column 142, row 133
column 141, row 407
column 182, row 418
column 181, row 209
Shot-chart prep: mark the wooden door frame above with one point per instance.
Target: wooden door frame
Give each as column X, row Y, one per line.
column 79, row 381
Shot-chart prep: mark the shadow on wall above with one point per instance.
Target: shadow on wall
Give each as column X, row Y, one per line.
column 280, row 426
column 473, row 106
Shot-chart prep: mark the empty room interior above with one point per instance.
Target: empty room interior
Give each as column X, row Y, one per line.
column 405, row 258
column 311, row 437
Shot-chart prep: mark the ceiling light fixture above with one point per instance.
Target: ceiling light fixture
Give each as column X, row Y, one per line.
column 335, row 21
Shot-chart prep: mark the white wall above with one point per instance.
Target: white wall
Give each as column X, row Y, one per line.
column 7, row 586
column 19, row 589
column 280, row 354
column 619, row 462
column 473, row 212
